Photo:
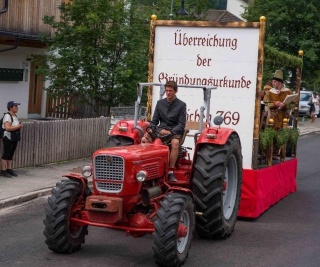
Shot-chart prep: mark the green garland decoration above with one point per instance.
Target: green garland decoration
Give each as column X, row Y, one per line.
column 266, row 138
column 269, row 136
column 276, row 57
column 293, row 136
column 287, row 136
column 281, row 137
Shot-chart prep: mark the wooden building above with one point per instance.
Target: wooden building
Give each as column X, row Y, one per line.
column 21, row 24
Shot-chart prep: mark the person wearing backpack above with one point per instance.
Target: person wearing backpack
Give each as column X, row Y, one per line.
column 10, row 138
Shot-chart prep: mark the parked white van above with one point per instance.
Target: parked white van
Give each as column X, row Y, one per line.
column 303, row 103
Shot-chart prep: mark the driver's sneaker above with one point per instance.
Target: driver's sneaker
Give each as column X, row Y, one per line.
column 12, row 173
column 172, row 178
column 5, row 174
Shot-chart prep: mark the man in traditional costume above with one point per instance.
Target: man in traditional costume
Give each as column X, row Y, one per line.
column 274, row 99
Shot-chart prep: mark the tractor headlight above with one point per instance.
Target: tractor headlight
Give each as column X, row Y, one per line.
column 141, row 176
column 86, row 171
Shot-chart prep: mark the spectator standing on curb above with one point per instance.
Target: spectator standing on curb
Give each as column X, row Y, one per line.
column 314, row 99
column 10, row 139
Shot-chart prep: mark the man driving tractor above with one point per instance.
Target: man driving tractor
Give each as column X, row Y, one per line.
column 170, row 116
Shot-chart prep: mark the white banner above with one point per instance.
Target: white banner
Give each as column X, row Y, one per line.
column 222, row 57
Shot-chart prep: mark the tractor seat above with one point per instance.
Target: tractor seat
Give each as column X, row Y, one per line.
column 190, row 125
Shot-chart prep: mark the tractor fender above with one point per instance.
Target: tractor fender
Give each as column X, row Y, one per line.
column 180, row 190
column 219, row 136
column 78, row 177
column 126, row 128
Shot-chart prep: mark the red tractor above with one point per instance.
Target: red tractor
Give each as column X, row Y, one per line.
column 131, row 190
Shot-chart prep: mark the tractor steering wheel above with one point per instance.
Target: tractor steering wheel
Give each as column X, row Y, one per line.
column 154, row 132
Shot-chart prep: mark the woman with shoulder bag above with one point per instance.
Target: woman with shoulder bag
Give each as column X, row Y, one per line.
column 10, row 138
column 314, row 106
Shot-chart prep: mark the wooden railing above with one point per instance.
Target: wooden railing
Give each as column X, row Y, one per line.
column 59, row 107
column 59, row 140
column 64, row 107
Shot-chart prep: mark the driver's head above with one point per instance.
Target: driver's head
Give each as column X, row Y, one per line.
column 171, row 90
column 172, row 84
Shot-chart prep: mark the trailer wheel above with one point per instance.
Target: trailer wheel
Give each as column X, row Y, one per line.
column 62, row 235
column 174, row 228
column 119, row 140
column 216, row 186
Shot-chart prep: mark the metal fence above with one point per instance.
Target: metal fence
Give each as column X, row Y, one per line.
column 45, row 142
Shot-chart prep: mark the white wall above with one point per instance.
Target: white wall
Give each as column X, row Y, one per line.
column 235, row 7
column 17, row 91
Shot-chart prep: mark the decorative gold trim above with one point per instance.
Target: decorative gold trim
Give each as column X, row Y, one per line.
column 256, row 125
column 215, row 24
column 151, row 64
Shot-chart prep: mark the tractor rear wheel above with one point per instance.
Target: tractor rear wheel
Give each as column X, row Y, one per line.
column 118, row 140
column 174, row 228
column 62, row 235
column 216, row 186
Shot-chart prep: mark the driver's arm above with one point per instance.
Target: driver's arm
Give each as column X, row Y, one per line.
column 154, row 122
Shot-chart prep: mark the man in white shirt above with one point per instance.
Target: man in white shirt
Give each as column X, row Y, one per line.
column 10, row 139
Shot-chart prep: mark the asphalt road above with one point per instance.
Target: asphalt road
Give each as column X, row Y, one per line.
column 288, row 234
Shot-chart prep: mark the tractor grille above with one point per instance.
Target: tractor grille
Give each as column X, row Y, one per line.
column 109, row 173
column 152, row 169
column 109, row 187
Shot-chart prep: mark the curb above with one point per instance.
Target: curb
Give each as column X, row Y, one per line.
column 309, row 132
column 9, row 202
column 24, row 198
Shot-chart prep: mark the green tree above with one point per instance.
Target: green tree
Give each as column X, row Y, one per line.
column 100, row 48
column 291, row 26
column 98, row 53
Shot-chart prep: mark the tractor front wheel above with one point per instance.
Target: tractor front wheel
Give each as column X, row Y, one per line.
column 174, row 228
column 62, row 235
column 216, row 187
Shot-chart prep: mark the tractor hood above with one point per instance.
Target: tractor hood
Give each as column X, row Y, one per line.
column 115, row 169
column 135, row 152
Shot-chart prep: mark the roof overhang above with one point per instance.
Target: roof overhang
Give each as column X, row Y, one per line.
column 221, row 16
column 20, row 39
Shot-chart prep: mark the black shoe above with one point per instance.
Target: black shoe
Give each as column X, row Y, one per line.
column 5, row 174
column 172, row 178
column 12, row 173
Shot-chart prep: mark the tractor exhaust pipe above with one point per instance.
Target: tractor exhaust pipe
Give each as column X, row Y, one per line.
column 149, row 193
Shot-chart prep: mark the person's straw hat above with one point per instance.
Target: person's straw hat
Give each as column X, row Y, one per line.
column 278, row 76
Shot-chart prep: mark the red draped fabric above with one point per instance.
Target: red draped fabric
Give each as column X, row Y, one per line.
column 264, row 187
